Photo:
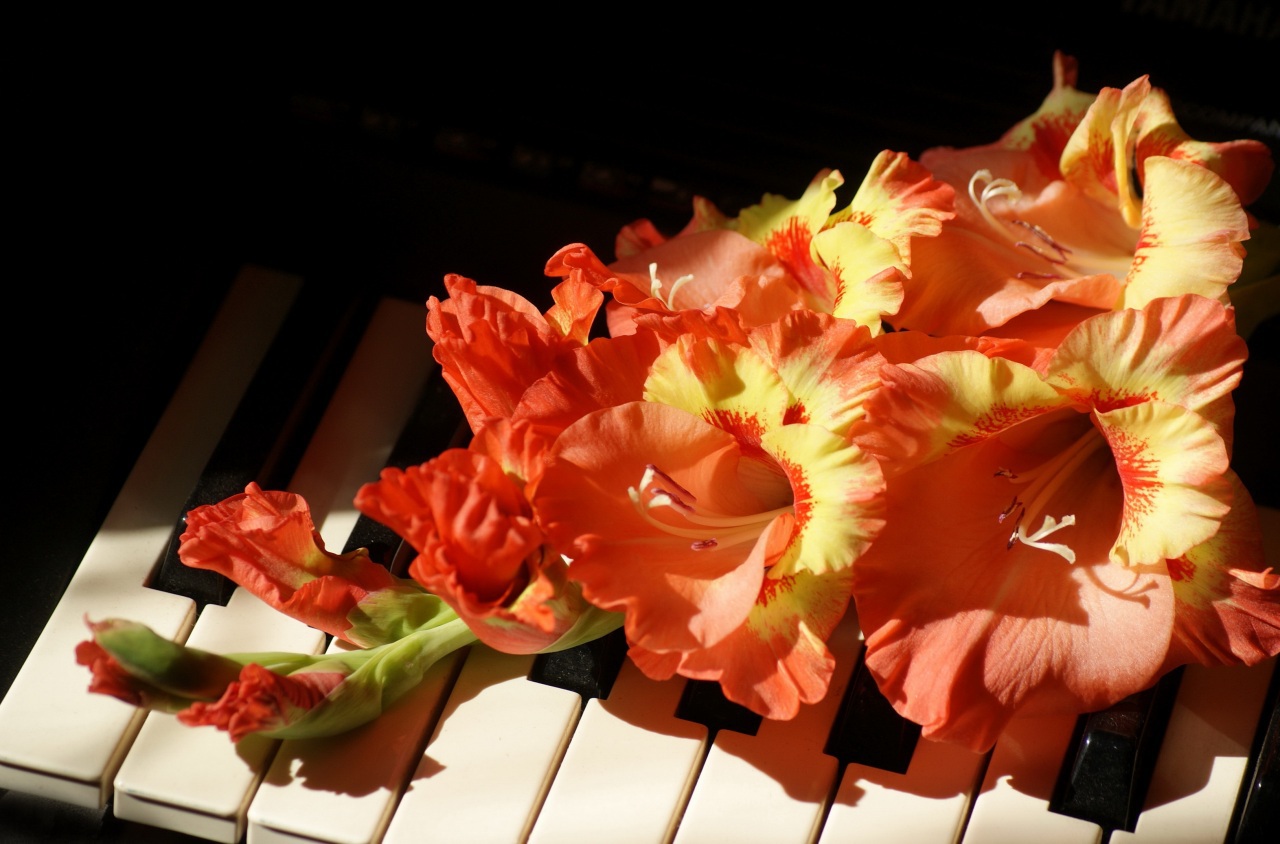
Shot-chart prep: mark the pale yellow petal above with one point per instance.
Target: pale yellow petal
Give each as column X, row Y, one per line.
column 1172, row 465
column 1192, row 227
column 837, row 498
column 729, row 386
column 868, row 271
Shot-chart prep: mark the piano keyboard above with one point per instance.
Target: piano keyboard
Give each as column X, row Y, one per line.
column 479, row 752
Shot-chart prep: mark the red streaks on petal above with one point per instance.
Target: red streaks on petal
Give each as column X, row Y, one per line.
column 796, row 414
column 790, row 243
column 997, row 419
column 1052, row 133
column 772, row 588
column 1182, row 569
column 1139, row 472
column 1104, row 401
column 745, row 428
column 801, row 495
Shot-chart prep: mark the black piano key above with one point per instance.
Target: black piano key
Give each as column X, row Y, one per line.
column 269, row 431
column 1106, row 772
column 1257, row 810
column 588, row 669
column 703, row 702
column 868, row 730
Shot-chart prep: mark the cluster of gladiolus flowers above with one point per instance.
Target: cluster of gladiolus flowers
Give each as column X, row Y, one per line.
column 987, row 405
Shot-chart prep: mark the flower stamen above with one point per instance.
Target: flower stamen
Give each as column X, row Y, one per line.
column 655, row 286
column 994, row 188
column 705, row 529
column 1042, row 482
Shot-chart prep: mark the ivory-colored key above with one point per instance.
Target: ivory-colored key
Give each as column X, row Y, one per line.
column 368, row 410
column 629, row 768
column 195, row 780
column 1012, row 806
column 926, row 805
column 366, row 414
column 492, row 757
column 1203, row 757
column 343, row 789
column 1206, row 747
column 56, row 739
column 773, row 786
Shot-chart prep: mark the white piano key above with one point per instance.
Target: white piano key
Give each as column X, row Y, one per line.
column 773, row 786
column 1203, row 757
column 196, row 780
column 629, row 767
column 926, row 805
column 343, row 789
column 369, row 409
column 1206, row 746
column 56, row 739
column 491, row 759
column 1012, row 806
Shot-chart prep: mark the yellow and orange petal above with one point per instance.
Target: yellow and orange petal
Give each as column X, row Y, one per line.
column 1227, row 608
column 778, row 659
column 787, row 227
column 1183, row 350
column 492, row 344
column 682, row 585
column 1003, row 626
column 829, row 367
column 1192, row 228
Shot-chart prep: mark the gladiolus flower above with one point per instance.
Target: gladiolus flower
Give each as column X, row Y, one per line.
column 1090, row 204
column 278, row 695
column 267, row 543
column 1070, row 522
column 479, row 546
column 131, row 663
column 722, row 513
column 776, row 256
column 492, row 343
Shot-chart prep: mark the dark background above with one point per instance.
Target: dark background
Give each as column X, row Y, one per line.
column 137, row 185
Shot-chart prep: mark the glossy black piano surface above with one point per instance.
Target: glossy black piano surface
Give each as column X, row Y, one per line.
column 138, row 193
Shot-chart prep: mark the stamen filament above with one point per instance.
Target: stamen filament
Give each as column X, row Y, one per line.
column 984, row 188
column 1043, row 481
column 705, row 529
column 1055, row 472
column 655, row 286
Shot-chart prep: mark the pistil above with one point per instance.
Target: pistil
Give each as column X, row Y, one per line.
column 705, row 529
column 985, row 189
column 655, row 286
column 1042, row 482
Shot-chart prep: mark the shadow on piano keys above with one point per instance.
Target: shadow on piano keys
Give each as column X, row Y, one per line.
column 478, row 752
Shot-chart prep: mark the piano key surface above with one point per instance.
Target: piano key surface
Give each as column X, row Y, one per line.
column 47, row 697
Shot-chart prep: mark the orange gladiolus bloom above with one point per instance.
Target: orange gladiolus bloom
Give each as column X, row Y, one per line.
column 1090, row 204
column 480, row 549
column 1077, row 525
column 779, row 255
column 492, row 343
column 723, row 512
column 266, row 542
column 261, row 701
